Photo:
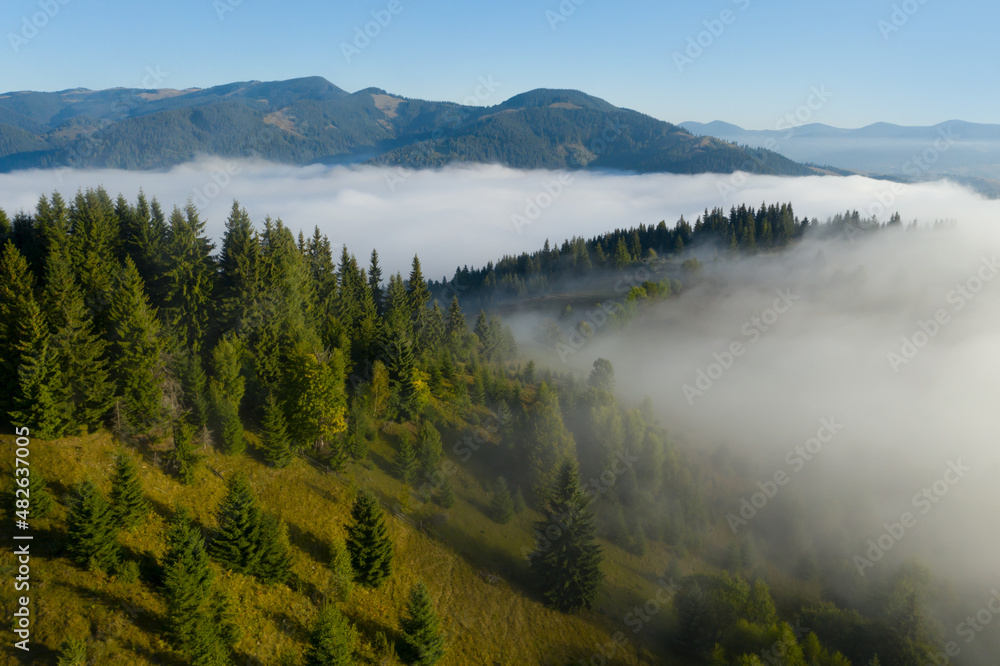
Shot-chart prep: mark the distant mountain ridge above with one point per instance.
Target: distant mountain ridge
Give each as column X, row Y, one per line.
column 310, row 120
column 967, row 152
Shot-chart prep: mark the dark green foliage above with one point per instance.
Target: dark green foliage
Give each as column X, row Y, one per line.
column 127, row 571
column 567, row 568
column 226, row 388
column 184, row 456
column 40, row 499
column 341, row 573
column 445, row 496
column 128, row 503
column 406, row 461
column 277, row 449
column 198, row 623
column 274, row 559
column 240, row 265
column 332, row 641
column 368, row 541
column 16, row 286
column 237, row 545
column 135, row 352
column 93, row 534
column 501, row 505
column 194, row 386
column 41, row 401
column 428, row 450
column 188, row 276
column 422, row 643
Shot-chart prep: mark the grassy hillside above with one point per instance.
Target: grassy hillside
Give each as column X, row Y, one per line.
column 471, row 565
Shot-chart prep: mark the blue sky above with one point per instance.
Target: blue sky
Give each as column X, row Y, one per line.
column 938, row 60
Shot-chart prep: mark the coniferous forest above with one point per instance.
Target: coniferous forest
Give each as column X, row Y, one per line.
column 267, row 452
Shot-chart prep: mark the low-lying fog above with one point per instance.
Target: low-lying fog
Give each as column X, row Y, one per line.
column 894, row 339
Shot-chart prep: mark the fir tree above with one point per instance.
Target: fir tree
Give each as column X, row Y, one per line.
column 185, row 458
column 240, row 264
column 375, row 282
column 406, row 461
column 226, row 388
column 428, row 447
column 277, row 449
column 502, row 506
column 188, row 277
column 40, row 401
column 422, row 643
column 368, row 541
column 274, row 562
column 456, row 329
column 419, row 298
column 194, row 386
column 92, row 534
column 77, row 348
column 238, row 541
column 445, row 495
column 16, row 287
column 199, row 625
column 341, row 573
column 128, row 503
column 567, row 568
column 332, row 641
column 135, row 350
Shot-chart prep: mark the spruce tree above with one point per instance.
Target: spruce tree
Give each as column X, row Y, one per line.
column 237, row 543
column 226, row 388
column 38, row 493
column 128, row 503
column 456, row 328
column 332, row 641
column 277, row 449
column 275, row 560
column 419, row 298
column 375, row 282
column 92, row 534
column 136, row 348
column 422, row 643
column 445, row 494
column 406, row 461
column 188, row 277
column 428, row 447
column 41, row 401
column 240, row 278
column 194, row 385
column 368, row 541
column 185, row 458
column 502, row 506
column 199, row 625
column 567, row 568
column 78, row 349
column 341, row 573
column 16, row 294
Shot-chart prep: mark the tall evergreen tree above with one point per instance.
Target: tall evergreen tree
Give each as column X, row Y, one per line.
column 78, row 349
column 41, row 400
column 549, row 444
column 422, row 643
column 275, row 560
column 567, row 568
column 38, row 493
column 185, row 458
column 406, row 461
column 128, row 502
column 456, row 328
column 332, row 641
column 188, row 277
column 136, row 348
column 502, row 506
column 92, row 534
column 375, row 281
column 94, row 248
column 198, row 624
column 16, row 295
column 368, row 541
column 428, row 449
column 194, row 386
column 445, row 494
column 277, row 446
column 226, row 388
column 341, row 573
column 240, row 265
column 237, row 543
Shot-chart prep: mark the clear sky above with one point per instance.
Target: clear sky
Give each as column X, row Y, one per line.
column 937, row 61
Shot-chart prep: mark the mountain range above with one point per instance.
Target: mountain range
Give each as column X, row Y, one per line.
column 310, row 120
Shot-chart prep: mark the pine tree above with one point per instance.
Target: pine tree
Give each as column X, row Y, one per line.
column 277, row 449
column 240, row 265
column 16, row 295
column 128, row 503
column 226, row 388
column 199, row 625
column 428, row 447
column 332, row 641
column 184, row 456
column 341, row 573
column 406, row 461
column 93, row 248
column 368, row 541
column 135, row 350
column 92, row 534
column 41, row 401
column 422, row 643
column 188, row 277
column 237, row 543
column 77, row 348
column 446, row 495
column 274, row 563
column 567, row 568
column 502, row 506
